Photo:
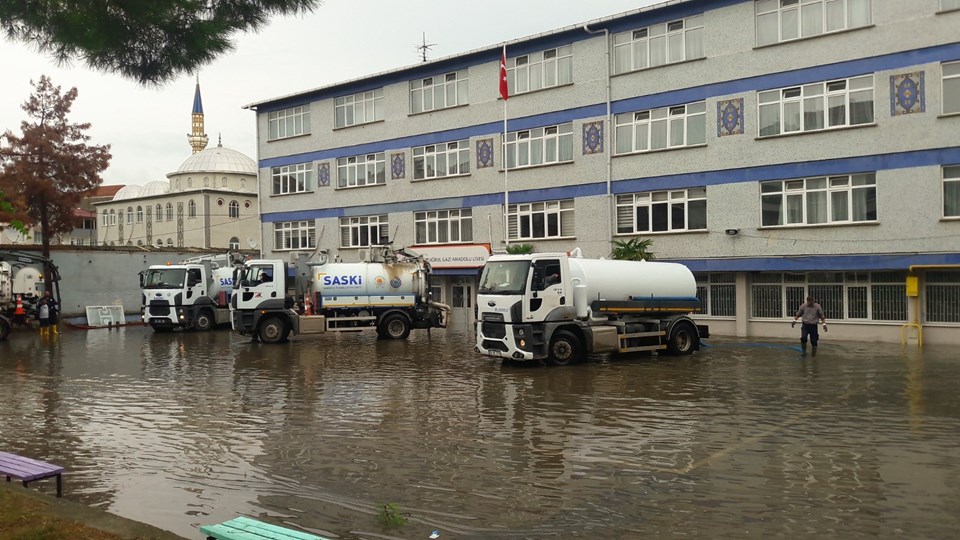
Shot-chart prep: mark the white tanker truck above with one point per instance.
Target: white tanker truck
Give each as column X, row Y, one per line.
column 389, row 295
column 560, row 308
column 192, row 294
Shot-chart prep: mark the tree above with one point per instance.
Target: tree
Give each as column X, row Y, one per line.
column 50, row 167
column 633, row 250
column 150, row 41
column 7, row 209
column 520, row 249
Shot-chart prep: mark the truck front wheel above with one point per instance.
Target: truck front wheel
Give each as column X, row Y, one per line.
column 683, row 340
column 273, row 330
column 565, row 349
column 394, row 326
column 204, row 321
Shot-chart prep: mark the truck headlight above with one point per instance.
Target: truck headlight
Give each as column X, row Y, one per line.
column 520, row 332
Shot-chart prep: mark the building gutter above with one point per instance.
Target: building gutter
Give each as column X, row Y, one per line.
column 607, row 132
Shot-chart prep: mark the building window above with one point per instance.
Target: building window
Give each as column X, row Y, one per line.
column 159, row 242
column 292, row 179
column 104, row 219
column 439, row 160
column 717, row 293
column 786, row 20
column 234, row 243
column 169, row 211
column 657, row 129
column 949, row 5
column 358, row 171
column 295, row 235
column 545, row 69
column 223, row 182
column 159, row 212
column 818, row 106
column 815, row 201
column 113, row 217
column 129, row 215
column 438, row 92
column 540, row 146
column 288, row 123
column 361, row 108
column 139, row 214
column 942, row 291
column 189, row 182
column 364, row 231
column 951, row 191
column 444, row 226
column 234, row 209
column 662, row 211
column 191, row 209
column 169, row 242
column 951, row 87
column 533, row 221
column 873, row 296
column 657, row 45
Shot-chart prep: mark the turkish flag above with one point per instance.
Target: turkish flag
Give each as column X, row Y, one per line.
column 504, row 93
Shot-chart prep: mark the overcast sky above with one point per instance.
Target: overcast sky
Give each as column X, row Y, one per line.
column 344, row 39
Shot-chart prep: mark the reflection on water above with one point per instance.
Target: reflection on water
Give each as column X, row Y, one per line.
column 190, row 428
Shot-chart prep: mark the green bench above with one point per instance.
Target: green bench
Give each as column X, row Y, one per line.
column 244, row 528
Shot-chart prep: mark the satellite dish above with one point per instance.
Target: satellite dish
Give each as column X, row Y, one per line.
column 251, row 242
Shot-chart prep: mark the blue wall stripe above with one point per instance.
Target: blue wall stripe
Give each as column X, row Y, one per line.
column 818, row 263
column 850, row 68
column 879, row 162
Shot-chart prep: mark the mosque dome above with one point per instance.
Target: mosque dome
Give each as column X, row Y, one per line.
column 128, row 192
column 157, row 187
column 217, row 160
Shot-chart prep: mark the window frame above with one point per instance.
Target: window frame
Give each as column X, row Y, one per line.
column 793, row 288
column 169, row 212
column 561, row 135
column 354, row 163
column 954, row 183
column 457, row 82
column 373, row 98
column 631, row 40
column 671, row 198
column 191, row 209
column 944, row 66
column 538, row 63
column 799, row 191
column 800, row 97
column 797, row 8
column 292, row 122
column 353, row 228
column 647, row 121
column 298, row 176
column 233, row 210
column 563, row 209
column 455, row 220
column 426, row 154
column 714, row 291
column 285, row 232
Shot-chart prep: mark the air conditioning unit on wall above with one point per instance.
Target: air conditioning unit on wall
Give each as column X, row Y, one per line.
column 363, row 254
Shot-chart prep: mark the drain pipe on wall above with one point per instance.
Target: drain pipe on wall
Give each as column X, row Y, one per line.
column 607, row 137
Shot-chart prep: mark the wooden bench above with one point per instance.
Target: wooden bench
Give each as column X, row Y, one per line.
column 244, row 528
column 28, row 470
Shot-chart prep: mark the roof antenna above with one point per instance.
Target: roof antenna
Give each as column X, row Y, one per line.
column 424, row 47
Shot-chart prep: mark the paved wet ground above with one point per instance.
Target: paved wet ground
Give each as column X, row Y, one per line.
column 742, row 439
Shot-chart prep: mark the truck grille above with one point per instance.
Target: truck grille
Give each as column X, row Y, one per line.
column 159, row 307
column 493, row 330
column 491, row 345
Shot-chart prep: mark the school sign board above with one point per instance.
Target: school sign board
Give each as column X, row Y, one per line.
column 455, row 256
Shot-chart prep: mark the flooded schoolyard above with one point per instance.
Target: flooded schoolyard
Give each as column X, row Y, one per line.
column 741, row 439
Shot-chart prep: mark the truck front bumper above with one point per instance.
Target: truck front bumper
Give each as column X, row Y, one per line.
column 501, row 340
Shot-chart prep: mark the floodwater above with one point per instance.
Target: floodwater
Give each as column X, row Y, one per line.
column 742, row 439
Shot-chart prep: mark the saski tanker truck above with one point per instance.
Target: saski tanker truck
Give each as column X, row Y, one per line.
column 192, row 294
column 560, row 308
column 389, row 295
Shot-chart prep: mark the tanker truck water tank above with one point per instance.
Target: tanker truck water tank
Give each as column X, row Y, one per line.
column 364, row 282
column 614, row 280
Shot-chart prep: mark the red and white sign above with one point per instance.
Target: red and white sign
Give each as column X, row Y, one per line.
column 455, row 256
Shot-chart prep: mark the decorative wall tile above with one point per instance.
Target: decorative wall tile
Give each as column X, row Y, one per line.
column 907, row 94
column 593, row 137
column 398, row 166
column 484, row 153
column 730, row 117
column 323, row 174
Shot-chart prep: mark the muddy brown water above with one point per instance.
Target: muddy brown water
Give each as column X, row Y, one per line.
column 741, row 439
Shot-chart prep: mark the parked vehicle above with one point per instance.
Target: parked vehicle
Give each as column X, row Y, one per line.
column 389, row 294
column 21, row 285
column 560, row 307
column 192, row 294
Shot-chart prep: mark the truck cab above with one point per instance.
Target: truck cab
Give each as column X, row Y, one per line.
column 189, row 296
column 259, row 304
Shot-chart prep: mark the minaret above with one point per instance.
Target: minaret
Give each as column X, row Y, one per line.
column 197, row 139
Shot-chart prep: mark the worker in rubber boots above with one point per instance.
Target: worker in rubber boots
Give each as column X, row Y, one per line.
column 810, row 314
column 47, row 314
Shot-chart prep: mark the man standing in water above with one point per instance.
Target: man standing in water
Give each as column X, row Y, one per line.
column 810, row 314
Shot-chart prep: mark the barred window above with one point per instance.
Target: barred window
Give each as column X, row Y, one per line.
column 291, row 179
column 288, row 122
column 361, row 108
column 531, row 221
column 291, row 235
column 440, row 160
column 657, row 129
column 662, row 211
column 786, row 20
column 444, row 226
column 439, row 92
column 818, row 106
column 364, row 231
column 717, row 293
column 536, row 71
column 539, row 146
column 868, row 296
column 942, row 292
column 659, row 44
column 813, row 201
column 359, row 171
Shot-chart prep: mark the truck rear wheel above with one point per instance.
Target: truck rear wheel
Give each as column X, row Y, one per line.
column 683, row 340
column 565, row 349
column 394, row 326
column 204, row 320
column 273, row 330
column 4, row 329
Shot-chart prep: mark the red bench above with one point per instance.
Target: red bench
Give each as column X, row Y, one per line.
column 28, row 470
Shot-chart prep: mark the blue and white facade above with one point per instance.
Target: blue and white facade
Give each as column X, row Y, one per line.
column 779, row 148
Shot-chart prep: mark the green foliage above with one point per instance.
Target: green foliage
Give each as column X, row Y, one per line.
column 150, row 41
column 7, row 209
column 633, row 250
column 391, row 516
column 520, row 249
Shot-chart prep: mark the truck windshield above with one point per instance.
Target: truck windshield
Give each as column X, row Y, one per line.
column 504, row 277
column 164, row 278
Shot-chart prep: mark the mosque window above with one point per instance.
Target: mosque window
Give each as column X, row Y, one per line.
column 223, row 182
column 129, row 215
column 191, row 209
column 234, row 243
column 206, row 181
column 139, row 214
column 170, row 211
column 189, row 182
column 219, row 202
column 159, row 213
column 234, row 209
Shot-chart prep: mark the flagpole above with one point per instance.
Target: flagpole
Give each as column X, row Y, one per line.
column 506, row 184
